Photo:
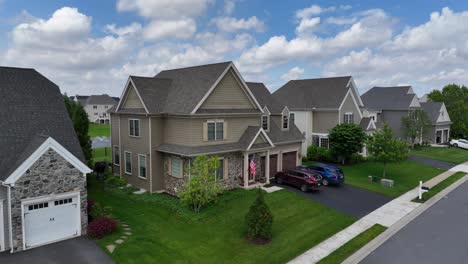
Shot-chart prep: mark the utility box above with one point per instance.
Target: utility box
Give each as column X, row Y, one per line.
column 387, row 183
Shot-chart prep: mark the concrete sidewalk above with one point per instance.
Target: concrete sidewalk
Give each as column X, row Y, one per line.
column 386, row 215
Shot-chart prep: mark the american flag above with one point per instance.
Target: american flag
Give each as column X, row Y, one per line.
column 253, row 168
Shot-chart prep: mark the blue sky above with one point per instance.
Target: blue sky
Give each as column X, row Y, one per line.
column 90, row 47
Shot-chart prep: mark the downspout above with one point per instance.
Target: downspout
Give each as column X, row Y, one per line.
column 10, row 229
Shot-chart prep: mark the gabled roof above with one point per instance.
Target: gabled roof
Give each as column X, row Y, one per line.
column 389, row 98
column 324, row 93
column 265, row 98
column 32, row 109
column 433, row 110
column 102, row 99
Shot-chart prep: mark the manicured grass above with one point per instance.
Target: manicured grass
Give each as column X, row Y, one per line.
column 102, row 154
column 99, row 130
column 452, row 154
column 353, row 245
column 406, row 176
column 439, row 187
column 164, row 231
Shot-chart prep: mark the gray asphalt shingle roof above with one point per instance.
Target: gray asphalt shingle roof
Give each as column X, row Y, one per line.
column 265, row 98
column 102, row 99
column 433, row 110
column 388, row 98
column 313, row 93
column 32, row 109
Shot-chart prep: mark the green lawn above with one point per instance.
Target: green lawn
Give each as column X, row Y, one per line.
column 454, row 155
column 99, row 130
column 406, row 175
column 353, row 245
column 164, row 231
column 102, row 154
column 439, row 187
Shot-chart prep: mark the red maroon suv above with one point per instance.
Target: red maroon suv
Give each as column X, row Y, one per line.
column 305, row 180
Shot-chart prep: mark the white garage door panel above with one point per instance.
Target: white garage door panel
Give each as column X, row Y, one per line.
column 55, row 220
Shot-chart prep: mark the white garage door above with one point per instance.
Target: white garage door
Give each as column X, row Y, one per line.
column 51, row 220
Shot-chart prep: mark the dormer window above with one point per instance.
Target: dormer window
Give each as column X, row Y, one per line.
column 285, row 117
column 265, row 122
column 286, row 122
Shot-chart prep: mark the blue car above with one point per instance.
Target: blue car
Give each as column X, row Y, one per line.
column 330, row 174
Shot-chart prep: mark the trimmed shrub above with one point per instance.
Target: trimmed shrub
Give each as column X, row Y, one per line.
column 259, row 221
column 319, row 154
column 356, row 158
column 100, row 227
column 99, row 211
column 115, row 182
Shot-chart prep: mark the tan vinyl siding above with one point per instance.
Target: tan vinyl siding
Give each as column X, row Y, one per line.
column 115, row 141
column 228, row 95
column 350, row 106
column 135, row 145
column 131, row 99
column 260, row 139
column 177, row 131
column 324, row 121
column 157, row 162
column 236, row 126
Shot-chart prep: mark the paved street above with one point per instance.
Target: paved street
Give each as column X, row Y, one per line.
column 439, row 235
column 433, row 163
column 347, row 199
column 73, row 251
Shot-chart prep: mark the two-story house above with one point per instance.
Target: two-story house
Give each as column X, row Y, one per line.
column 390, row 104
column 97, row 107
column 318, row 105
column 163, row 122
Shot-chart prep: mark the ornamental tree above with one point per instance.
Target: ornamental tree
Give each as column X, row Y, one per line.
column 346, row 140
column 201, row 189
column 259, row 220
column 383, row 147
column 415, row 125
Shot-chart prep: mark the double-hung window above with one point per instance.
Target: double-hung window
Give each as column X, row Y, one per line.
column 176, row 167
column 128, row 162
column 134, row 127
column 348, row 118
column 215, row 130
column 285, row 121
column 265, row 122
column 116, row 156
column 219, row 174
column 142, row 166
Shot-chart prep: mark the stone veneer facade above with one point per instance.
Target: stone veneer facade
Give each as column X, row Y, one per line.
column 174, row 184
column 50, row 174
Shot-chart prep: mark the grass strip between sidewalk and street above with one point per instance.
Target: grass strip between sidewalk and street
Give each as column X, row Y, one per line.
column 439, row 187
column 342, row 253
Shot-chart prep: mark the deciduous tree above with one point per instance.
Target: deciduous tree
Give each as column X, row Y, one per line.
column 346, row 140
column 415, row 125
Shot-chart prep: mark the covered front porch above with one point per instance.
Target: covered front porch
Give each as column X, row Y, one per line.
column 256, row 169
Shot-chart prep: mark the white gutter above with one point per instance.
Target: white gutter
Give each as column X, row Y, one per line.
column 9, row 216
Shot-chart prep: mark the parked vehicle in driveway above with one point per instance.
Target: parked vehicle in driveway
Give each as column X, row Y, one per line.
column 305, row 180
column 330, row 174
column 461, row 143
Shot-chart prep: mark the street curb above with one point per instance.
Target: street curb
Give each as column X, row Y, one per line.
column 392, row 230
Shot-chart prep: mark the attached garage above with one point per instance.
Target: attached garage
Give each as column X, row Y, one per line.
column 289, row 160
column 51, row 219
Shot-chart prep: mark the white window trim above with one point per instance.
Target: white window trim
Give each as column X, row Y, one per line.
column 214, row 121
column 139, row 127
column 146, row 166
column 348, row 114
column 113, row 153
column 125, row 163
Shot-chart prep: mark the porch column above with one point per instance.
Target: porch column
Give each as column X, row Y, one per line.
column 246, row 169
column 267, row 166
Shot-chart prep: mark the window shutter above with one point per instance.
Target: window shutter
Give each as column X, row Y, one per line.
column 181, row 171
column 225, row 135
column 225, row 169
column 352, row 118
column 205, row 131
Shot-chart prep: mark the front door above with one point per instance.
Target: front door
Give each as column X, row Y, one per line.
column 438, row 136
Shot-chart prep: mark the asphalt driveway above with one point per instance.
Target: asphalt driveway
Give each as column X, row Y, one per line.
column 432, row 162
column 345, row 198
column 438, row 235
column 79, row 250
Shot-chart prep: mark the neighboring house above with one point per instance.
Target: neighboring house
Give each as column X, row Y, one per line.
column 97, row 106
column 43, row 194
column 390, row 104
column 163, row 122
column 318, row 105
column 439, row 132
